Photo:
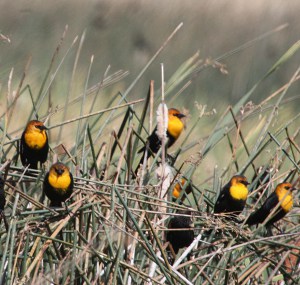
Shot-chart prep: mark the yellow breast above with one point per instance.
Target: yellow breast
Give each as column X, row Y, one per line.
column 286, row 199
column 239, row 191
column 60, row 182
column 175, row 127
column 35, row 139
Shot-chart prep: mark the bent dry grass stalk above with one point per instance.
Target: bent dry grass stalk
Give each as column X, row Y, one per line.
column 114, row 230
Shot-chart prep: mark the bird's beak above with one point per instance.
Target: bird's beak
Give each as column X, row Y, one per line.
column 42, row 128
column 181, row 116
column 59, row 171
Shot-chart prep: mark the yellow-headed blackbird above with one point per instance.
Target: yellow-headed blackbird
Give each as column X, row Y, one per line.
column 180, row 238
column 58, row 184
column 233, row 196
column 178, row 188
column 2, row 195
column 282, row 195
column 175, row 127
column 34, row 144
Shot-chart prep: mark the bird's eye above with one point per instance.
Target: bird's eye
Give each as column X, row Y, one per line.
column 287, row 187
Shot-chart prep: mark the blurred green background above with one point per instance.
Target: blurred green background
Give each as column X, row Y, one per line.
column 126, row 34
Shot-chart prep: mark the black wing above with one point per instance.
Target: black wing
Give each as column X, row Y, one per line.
column 44, row 151
column 154, row 143
column 2, row 195
column 264, row 211
column 23, row 150
column 222, row 201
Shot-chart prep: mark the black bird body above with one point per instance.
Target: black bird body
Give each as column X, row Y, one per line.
column 181, row 238
column 154, row 143
column 2, row 195
column 2, row 203
column 233, row 196
column 34, row 144
column 174, row 129
column 281, row 195
column 58, row 184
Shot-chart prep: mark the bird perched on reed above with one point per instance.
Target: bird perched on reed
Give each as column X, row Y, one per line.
column 58, row 184
column 184, row 236
column 283, row 197
column 34, row 144
column 233, row 196
column 174, row 129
